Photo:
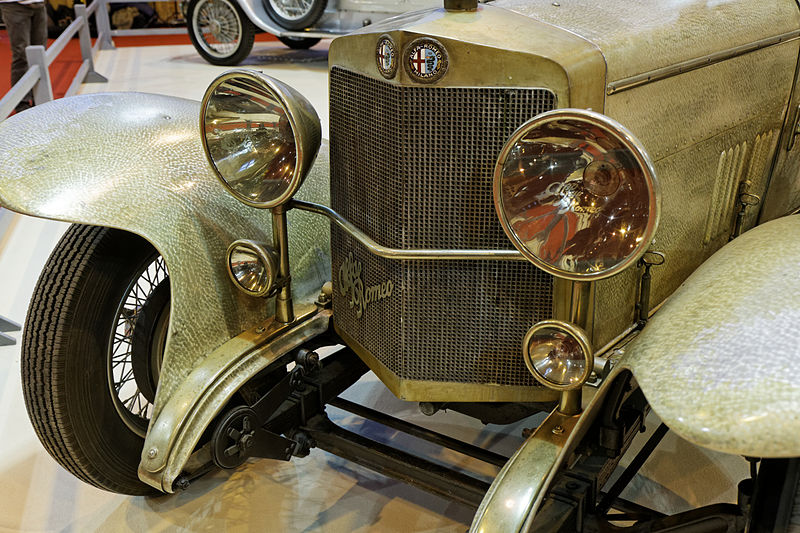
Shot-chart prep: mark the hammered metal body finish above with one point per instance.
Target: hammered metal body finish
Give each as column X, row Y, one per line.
column 144, row 171
column 640, row 37
column 720, row 361
column 704, row 145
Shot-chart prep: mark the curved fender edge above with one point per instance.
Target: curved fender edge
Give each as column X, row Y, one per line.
column 135, row 162
column 517, row 492
column 182, row 421
column 720, row 361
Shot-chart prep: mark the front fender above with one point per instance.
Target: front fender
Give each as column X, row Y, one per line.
column 135, row 162
column 720, row 362
column 517, row 493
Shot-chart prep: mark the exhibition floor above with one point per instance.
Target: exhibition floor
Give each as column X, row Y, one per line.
column 318, row 493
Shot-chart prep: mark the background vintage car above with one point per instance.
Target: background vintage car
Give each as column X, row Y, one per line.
column 686, row 96
column 223, row 31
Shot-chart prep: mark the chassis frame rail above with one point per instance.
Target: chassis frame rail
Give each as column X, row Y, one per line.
column 397, row 464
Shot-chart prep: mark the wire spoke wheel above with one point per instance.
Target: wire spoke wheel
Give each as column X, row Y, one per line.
column 126, row 374
column 220, row 31
column 220, row 27
column 295, row 14
column 292, row 9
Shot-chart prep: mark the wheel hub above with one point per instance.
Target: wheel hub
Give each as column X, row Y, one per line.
column 234, row 437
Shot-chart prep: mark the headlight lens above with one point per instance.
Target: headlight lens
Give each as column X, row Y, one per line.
column 253, row 267
column 576, row 194
column 558, row 354
column 260, row 136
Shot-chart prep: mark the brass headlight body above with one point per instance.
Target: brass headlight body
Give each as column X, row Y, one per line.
column 577, row 194
column 260, row 136
column 252, row 266
column 558, row 354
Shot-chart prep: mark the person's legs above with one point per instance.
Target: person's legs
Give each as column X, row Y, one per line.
column 38, row 24
column 17, row 19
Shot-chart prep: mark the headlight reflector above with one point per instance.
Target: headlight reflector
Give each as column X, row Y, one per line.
column 576, row 194
column 558, row 354
column 252, row 267
column 259, row 135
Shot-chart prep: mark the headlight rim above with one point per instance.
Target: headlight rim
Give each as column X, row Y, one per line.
column 635, row 148
column 266, row 256
column 575, row 332
column 292, row 110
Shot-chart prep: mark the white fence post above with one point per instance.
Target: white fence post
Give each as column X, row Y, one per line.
column 6, row 326
column 43, row 90
column 103, row 26
column 86, row 45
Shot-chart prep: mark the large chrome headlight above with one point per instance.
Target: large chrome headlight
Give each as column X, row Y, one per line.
column 260, row 136
column 576, row 194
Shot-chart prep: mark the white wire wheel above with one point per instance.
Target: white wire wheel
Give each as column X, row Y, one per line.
column 295, row 14
column 220, row 31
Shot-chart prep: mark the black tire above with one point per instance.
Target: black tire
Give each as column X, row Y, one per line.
column 79, row 312
column 299, row 43
column 220, row 31
column 295, row 14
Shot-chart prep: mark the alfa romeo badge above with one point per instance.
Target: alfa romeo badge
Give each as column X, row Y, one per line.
column 426, row 60
column 386, row 57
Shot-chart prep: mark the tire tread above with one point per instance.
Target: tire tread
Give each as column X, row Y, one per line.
column 43, row 355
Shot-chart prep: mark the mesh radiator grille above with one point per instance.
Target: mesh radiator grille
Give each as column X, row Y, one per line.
column 412, row 168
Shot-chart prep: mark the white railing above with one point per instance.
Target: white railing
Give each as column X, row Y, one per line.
column 38, row 76
column 7, row 326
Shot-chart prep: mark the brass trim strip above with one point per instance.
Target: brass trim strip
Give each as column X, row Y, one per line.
column 404, row 255
column 174, row 433
column 700, row 62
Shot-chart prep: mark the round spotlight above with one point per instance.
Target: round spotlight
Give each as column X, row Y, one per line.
column 558, row 354
column 577, row 194
column 252, row 267
column 260, row 136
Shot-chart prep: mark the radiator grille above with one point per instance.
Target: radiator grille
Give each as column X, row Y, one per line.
column 412, row 167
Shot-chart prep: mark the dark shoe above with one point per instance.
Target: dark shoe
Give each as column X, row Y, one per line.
column 23, row 105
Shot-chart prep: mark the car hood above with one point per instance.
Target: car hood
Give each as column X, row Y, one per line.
column 642, row 36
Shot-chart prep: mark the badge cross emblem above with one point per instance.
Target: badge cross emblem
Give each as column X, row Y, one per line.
column 386, row 57
column 426, row 60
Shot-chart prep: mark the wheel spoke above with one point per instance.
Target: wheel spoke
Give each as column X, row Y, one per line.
column 122, row 378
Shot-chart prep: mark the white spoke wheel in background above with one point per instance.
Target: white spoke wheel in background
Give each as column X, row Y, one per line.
column 295, row 14
column 220, row 31
column 91, row 353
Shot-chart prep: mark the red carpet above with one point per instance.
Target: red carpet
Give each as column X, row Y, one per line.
column 69, row 61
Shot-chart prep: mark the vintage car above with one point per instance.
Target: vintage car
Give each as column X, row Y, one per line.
column 519, row 200
column 223, row 31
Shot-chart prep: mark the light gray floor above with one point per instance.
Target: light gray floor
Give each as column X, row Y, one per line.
column 317, row 493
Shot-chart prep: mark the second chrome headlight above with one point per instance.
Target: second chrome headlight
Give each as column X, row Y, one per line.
column 576, row 194
column 260, row 136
